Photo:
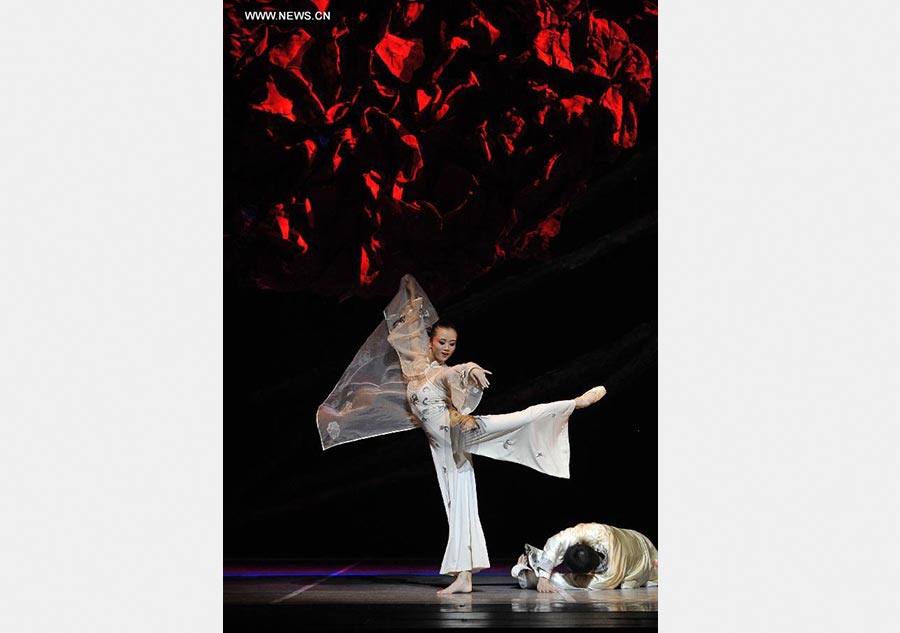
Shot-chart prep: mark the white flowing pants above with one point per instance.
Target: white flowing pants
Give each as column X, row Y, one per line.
column 536, row 437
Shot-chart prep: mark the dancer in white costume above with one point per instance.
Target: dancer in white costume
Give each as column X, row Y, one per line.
column 598, row 556
column 441, row 397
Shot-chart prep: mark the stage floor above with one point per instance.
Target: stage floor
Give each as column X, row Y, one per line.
column 354, row 597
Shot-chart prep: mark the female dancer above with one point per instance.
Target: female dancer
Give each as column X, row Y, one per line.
column 441, row 397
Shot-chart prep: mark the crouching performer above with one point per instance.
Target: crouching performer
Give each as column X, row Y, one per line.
column 598, row 556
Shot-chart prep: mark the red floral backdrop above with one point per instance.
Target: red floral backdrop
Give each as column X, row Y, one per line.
column 430, row 137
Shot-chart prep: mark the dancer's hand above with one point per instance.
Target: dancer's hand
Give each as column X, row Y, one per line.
column 478, row 377
column 467, row 422
column 544, row 586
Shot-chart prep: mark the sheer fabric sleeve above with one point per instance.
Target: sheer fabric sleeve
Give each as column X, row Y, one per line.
column 464, row 395
column 370, row 397
column 407, row 322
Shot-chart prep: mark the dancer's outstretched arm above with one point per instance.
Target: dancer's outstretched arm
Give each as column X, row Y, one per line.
column 458, row 378
column 478, row 376
column 408, row 336
column 411, row 290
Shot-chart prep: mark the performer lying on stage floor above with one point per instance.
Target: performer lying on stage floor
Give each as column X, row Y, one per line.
column 598, row 557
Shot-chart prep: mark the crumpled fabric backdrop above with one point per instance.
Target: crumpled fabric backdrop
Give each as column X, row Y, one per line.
column 440, row 137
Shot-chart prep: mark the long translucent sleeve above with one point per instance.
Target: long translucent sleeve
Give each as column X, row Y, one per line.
column 408, row 319
column 464, row 394
column 370, row 398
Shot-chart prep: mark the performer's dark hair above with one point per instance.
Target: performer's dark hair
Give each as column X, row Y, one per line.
column 581, row 558
column 440, row 323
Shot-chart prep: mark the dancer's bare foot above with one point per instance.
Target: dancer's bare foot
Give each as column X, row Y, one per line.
column 462, row 584
column 589, row 397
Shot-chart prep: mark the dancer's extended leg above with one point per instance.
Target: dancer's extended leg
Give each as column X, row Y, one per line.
column 589, row 397
column 491, row 427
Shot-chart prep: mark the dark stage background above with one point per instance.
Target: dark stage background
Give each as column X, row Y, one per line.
column 565, row 303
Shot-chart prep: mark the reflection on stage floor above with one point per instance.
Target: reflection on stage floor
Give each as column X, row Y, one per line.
column 360, row 596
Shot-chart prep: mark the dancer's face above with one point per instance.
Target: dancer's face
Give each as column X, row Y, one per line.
column 443, row 344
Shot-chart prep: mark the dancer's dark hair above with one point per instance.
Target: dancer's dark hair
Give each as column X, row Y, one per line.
column 440, row 323
column 581, row 558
